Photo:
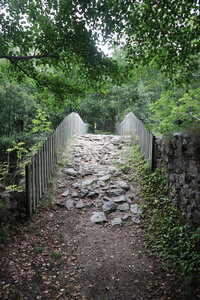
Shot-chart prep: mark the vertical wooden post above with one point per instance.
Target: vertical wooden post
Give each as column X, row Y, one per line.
column 37, row 170
column 40, row 173
column 28, row 190
column 153, row 155
column 33, row 184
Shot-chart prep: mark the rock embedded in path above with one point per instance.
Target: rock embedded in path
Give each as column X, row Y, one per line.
column 105, row 188
column 100, row 174
column 114, row 187
column 124, row 185
column 70, row 171
column 116, row 221
column 136, row 219
column 123, row 207
column 126, row 217
column 98, row 217
column 83, row 193
column 112, row 169
column 65, row 194
column 93, row 195
column 87, row 182
column 115, row 193
column 61, row 185
column 109, row 207
column 135, row 209
column 69, row 204
column 116, row 140
column 121, row 199
column 117, row 173
column 88, row 205
column 79, row 204
column 74, row 195
column 107, row 199
column 101, row 183
column 104, row 178
column 75, row 185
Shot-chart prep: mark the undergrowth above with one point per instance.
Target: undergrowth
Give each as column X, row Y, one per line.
column 177, row 244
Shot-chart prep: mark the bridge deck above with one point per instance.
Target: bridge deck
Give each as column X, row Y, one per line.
column 89, row 245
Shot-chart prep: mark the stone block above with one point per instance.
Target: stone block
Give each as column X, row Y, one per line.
column 193, row 172
column 196, row 217
column 181, row 179
column 197, row 198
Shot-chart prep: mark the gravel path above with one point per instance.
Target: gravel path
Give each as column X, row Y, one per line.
column 89, row 244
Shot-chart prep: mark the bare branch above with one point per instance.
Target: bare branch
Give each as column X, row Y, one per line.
column 21, row 69
column 190, row 113
column 28, row 57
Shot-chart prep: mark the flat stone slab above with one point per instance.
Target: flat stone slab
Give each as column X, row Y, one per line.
column 65, row 194
column 83, row 193
column 121, row 199
column 127, row 217
column 70, row 171
column 88, row 204
column 61, row 185
column 115, row 193
column 87, row 182
column 79, row 204
column 135, row 209
column 100, row 174
column 98, row 217
column 109, row 206
column 74, row 195
column 69, row 204
column 136, row 219
column 123, row 207
column 75, row 185
column 101, row 183
column 104, row 178
column 124, row 185
column 116, row 221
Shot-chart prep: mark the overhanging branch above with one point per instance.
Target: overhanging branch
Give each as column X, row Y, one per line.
column 194, row 117
column 28, row 57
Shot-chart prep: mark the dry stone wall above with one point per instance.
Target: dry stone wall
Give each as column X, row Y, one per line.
column 12, row 206
column 181, row 157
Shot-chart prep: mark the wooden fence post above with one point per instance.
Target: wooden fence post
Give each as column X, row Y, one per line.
column 33, row 161
column 28, row 190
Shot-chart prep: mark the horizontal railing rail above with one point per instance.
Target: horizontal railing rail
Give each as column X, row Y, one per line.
column 42, row 165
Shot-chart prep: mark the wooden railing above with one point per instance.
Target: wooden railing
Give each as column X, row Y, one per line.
column 135, row 127
column 40, row 169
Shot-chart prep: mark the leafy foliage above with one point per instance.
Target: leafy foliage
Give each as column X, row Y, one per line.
column 173, row 112
column 114, row 102
column 52, row 43
column 162, row 33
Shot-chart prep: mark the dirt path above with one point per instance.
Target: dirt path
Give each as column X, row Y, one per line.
column 89, row 243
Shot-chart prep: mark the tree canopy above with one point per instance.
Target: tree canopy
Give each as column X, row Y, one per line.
column 165, row 33
column 51, row 42
column 56, row 42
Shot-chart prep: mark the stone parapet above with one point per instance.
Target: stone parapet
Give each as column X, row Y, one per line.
column 180, row 155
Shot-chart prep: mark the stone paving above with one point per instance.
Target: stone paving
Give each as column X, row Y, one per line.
column 92, row 180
